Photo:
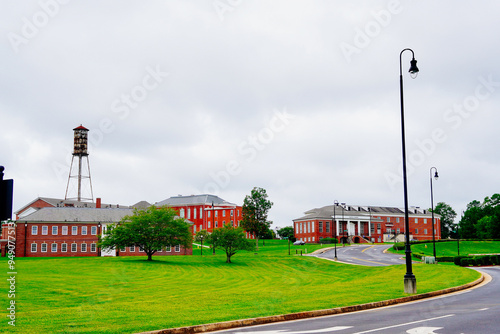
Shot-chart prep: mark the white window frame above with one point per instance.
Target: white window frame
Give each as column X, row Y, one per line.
column 52, row 248
column 34, row 247
column 43, row 247
column 74, row 247
column 83, row 247
column 93, row 230
column 168, row 249
column 64, row 230
column 74, row 230
column 34, row 230
column 64, row 247
column 45, row 230
column 177, row 248
column 93, row 247
column 132, row 248
column 84, row 230
column 55, row 229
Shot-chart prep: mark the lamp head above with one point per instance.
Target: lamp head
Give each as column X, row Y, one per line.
column 413, row 68
column 436, row 176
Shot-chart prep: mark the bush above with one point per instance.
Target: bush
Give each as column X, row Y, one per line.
column 399, row 246
column 495, row 259
column 329, row 241
column 467, row 261
column 458, row 260
column 445, row 258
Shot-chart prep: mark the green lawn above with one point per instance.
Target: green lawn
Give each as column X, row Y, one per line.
column 129, row 294
column 450, row 248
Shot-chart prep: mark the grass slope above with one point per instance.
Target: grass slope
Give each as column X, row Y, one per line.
column 129, row 294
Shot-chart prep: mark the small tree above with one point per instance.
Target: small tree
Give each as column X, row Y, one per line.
column 231, row 240
column 286, row 232
column 447, row 218
column 200, row 236
column 150, row 230
column 255, row 209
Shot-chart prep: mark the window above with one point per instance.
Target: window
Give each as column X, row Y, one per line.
column 223, row 213
column 215, row 214
column 232, row 213
column 34, row 230
column 64, row 247
column 44, row 248
column 208, row 214
column 83, row 247
column 416, row 220
column 216, row 224
column 388, row 219
column 93, row 230
column 181, row 213
column 312, row 225
column 73, row 247
column 122, row 249
column 189, row 213
column 84, row 230
column 425, row 231
column 379, row 228
column 45, row 230
column 194, row 229
column 201, row 213
column 168, row 249
column 93, row 247
column 372, row 229
column 177, row 248
column 53, row 247
column 33, row 247
column 416, row 231
column 64, row 230
column 327, row 227
column 397, row 219
column 74, row 230
column 209, row 224
column 425, row 220
column 194, row 213
column 132, row 248
column 54, row 230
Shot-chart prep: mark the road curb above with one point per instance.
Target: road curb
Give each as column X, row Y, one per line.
column 309, row 314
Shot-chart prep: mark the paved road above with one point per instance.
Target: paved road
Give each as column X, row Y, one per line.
column 366, row 255
column 470, row 312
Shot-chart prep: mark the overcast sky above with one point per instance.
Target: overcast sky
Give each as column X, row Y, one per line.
column 298, row 97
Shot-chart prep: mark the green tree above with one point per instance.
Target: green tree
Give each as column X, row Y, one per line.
column 201, row 236
column 255, row 209
column 447, row 218
column 231, row 240
column 150, row 230
column 286, row 232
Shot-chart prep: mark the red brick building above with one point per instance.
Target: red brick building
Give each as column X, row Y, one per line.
column 360, row 224
column 70, row 231
column 205, row 211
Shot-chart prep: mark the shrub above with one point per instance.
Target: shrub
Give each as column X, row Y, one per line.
column 445, row 258
column 466, row 261
column 399, row 246
column 328, row 241
column 458, row 260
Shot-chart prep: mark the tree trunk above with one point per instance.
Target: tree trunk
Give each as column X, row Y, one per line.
column 228, row 260
column 257, row 242
column 150, row 257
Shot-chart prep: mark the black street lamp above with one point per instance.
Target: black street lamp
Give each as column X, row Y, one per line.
column 335, row 203
column 436, row 176
column 410, row 281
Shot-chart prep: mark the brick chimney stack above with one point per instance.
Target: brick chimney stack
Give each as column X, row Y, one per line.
column 98, row 203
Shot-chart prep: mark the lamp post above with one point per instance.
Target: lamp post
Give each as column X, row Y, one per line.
column 436, row 176
column 335, row 203
column 213, row 227
column 343, row 230
column 410, row 281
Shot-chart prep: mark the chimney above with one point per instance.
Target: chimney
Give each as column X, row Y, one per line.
column 98, row 203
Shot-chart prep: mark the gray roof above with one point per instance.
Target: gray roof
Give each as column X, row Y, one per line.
column 78, row 215
column 193, row 199
column 327, row 212
column 58, row 202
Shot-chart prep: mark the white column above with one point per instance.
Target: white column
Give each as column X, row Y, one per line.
column 359, row 227
column 337, row 227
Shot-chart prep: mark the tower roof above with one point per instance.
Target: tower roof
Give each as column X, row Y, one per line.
column 81, row 127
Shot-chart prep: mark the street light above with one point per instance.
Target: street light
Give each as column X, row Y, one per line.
column 410, row 281
column 335, row 203
column 436, row 176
